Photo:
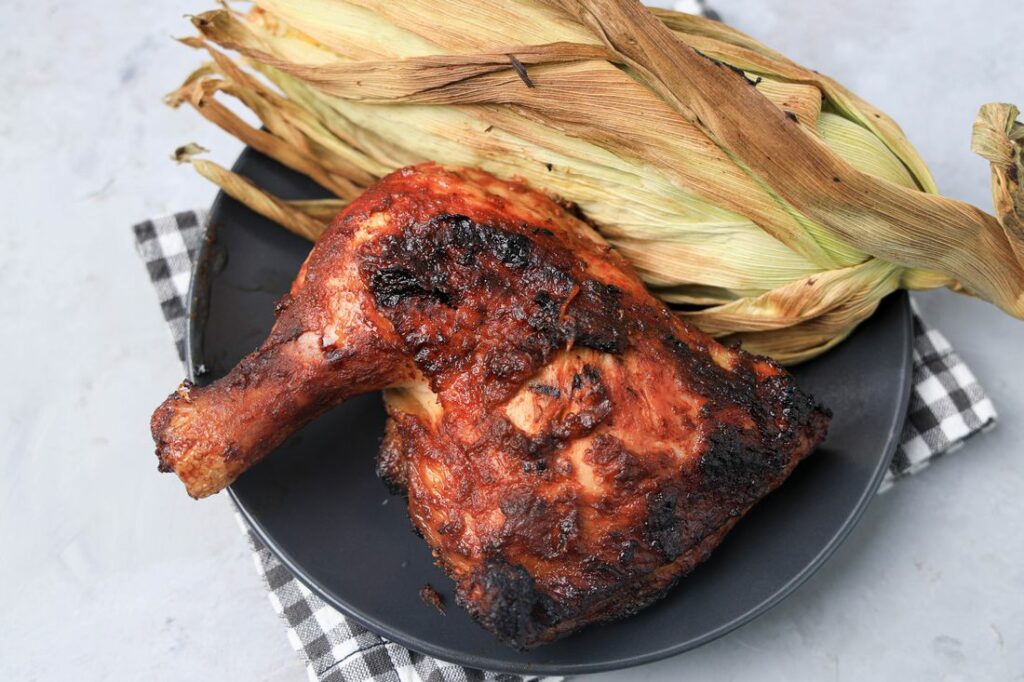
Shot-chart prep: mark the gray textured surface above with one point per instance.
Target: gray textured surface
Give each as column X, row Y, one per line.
column 110, row 573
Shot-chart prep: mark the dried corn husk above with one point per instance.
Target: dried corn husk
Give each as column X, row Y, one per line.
column 765, row 201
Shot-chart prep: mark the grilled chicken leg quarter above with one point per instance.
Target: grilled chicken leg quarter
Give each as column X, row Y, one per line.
column 568, row 446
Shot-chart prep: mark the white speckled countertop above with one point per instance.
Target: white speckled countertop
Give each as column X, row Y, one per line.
column 108, row 572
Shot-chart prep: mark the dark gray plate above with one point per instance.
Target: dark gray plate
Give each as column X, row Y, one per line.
column 318, row 505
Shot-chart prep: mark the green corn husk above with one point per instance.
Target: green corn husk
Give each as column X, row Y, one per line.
column 767, row 203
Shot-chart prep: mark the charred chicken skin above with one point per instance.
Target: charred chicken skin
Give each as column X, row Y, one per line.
column 569, row 448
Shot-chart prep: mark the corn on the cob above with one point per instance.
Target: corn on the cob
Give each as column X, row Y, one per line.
column 765, row 201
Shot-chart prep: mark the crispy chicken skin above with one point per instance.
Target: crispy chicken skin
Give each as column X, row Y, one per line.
column 569, row 447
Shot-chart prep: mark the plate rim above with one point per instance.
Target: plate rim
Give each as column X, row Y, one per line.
column 194, row 323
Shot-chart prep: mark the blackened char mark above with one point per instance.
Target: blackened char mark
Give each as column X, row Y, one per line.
column 510, row 604
column 789, row 409
column 392, row 285
column 544, row 317
column 510, row 248
column 546, row 389
column 662, row 526
column 597, row 317
column 737, row 469
column 591, row 317
column 718, row 385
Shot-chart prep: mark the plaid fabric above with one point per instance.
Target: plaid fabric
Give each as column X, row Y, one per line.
column 947, row 406
column 169, row 245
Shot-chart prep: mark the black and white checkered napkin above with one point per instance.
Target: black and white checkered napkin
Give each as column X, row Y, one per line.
column 947, row 406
